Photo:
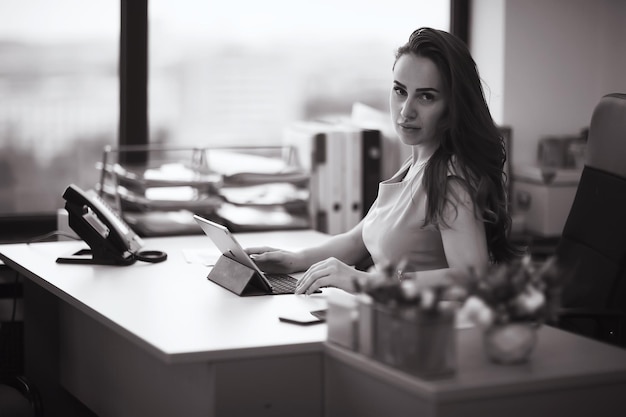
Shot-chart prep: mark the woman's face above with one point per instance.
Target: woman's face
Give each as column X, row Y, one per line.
column 417, row 100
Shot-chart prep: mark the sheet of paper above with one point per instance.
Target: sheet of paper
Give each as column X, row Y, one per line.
column 200, row 256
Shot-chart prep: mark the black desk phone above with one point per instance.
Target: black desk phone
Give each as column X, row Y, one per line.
column 111, row 240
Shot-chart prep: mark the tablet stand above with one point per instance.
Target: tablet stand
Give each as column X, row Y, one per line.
column 235, row 277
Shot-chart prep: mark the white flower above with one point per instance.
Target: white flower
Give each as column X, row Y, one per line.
column 475, row 310
column 529, row 301
column 428, row 298
column 410, row 289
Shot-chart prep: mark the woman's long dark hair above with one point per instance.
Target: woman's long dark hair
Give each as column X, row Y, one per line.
column 471, row 142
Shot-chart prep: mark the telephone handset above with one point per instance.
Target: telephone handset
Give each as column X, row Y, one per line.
column 111, row 240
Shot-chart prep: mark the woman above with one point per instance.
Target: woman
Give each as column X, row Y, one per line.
column 445, row 210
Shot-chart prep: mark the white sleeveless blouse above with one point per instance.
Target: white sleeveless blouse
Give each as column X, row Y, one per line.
column 393, row 228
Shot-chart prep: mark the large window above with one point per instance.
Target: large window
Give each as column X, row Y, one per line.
column 220, row 72
column 59, row 97
column 236, row 72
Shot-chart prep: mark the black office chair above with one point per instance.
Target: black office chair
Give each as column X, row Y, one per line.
column 18, row 397
column 593, row 241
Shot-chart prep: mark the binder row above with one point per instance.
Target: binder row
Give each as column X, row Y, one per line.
column 345, row 165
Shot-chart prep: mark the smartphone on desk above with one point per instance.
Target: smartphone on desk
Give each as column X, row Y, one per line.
column 304, row 318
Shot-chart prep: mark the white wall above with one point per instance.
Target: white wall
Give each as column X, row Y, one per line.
column 547, row 63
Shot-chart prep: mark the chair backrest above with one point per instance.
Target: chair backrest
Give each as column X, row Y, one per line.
column 606, row 147
column 594, row 236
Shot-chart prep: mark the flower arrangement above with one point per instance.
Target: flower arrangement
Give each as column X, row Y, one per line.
column 387, row 290
column 520, row 291
column 509, row 301
column 407, row 325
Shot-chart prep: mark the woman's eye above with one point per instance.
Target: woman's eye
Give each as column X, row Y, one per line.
column 426, row 97
column 399, row 91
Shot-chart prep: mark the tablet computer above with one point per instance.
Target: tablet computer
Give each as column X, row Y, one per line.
column 230, row 248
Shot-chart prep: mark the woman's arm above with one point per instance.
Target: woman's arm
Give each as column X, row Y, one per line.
column 329, row 264
column 346, row 247
column 464, row 240
column 332, row 263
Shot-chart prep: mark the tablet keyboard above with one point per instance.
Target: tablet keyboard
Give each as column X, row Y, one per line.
column 282, row 283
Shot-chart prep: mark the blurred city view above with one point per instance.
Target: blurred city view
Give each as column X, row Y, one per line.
column 59, row 107
column 242, row 85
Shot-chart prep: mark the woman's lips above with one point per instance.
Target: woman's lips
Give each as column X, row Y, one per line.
column 409, row 127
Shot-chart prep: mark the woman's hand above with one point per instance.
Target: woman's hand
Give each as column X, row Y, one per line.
column 274, row 260
column 330, row 272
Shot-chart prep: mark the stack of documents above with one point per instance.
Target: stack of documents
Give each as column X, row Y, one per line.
column 171, row 186
column 261, row 191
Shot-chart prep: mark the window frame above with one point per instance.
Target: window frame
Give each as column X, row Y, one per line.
column 133, row 73
column 133, row 120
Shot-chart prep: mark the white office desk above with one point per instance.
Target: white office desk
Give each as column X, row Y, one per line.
column 193, row 331
column 162, row 340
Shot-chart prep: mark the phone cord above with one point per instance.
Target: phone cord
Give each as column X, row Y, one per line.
column 152, row 256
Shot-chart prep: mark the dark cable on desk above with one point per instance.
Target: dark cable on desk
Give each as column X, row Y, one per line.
column 151, row 256
column 41, row 238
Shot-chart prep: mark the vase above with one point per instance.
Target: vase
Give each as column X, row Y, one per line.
column 510, row 343
column 415, row 341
